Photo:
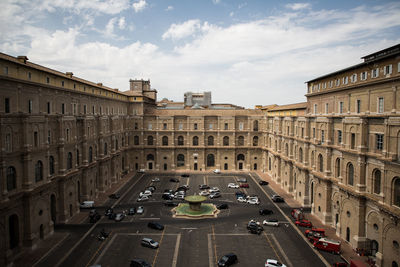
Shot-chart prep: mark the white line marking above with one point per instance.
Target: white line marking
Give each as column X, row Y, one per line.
column 175, row 258
column 210, row 251
column 288, row 262
column 149, row 218
column 189, row 228
column 48, row 252
column 105, row 249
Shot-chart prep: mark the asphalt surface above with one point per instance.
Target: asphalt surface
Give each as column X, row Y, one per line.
column 186, row 242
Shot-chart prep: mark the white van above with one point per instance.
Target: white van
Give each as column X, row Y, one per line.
column 87, row 204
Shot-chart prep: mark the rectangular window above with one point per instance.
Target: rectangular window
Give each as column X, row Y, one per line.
column 62, row 108
column 195, row 126
column 322, row 136
column 47, row 80
column 7, row 105
column 49, row 137
column 330, row 84
column 326, row 108
column 339, row 136
column 387, row 70
column 5, row 70
column 29, row 76
column 353, row 141
column 375, row 73
column 353, row 78
column 180, row 126
column 340, row 107
column 380, row 105
column 315, row 108
column 48, row 108
column 136, row 126
column 313, row 132
column 345, row 80
column 62, row 83
column 84, row 109
column 210, row 126
column 241, row 126
column 74, row 108
column 164, row 126
column 379, row 141
column 363, row 75
column 302, row 132
column 226, row 126
column 358, row 106
column 75, row 87
column 30, row 106
column 93, row 109
column 150, row 126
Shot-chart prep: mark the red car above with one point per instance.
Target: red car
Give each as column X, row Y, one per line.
column 304, row 223
column 244, row 185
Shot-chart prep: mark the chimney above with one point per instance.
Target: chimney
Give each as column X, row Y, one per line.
column 22, row 59
column 69, row 74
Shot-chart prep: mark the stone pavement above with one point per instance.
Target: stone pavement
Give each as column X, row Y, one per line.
column 347, row 252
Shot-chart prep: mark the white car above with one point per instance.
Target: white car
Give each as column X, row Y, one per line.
column 146, row 193
column 217, row 171
column 155, row 179
column 141, row 171
column 143, row 198
column 241, row 199
column 274, row 263
column 140, row 210
column 214, row 190
column 204, row 193
column 253, row 201
column 119, row 217
column 271, row 222
column 233, row 185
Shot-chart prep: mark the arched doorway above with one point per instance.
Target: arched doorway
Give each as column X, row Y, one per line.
column 240, row 161
column 195, row 167
column 13, row 226
column 53, row 208
column 255, row 166
column 210, row 160
column 348, row 234
column 374, row 247
column 41, row 231
column 225, row 166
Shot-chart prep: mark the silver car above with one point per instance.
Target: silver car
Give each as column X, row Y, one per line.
column 119, row 217
column 140, row 210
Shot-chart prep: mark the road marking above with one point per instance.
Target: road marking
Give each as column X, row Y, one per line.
column 189, row 228
column 187, row 181
column 159, row 244
column 288, row 262
column 105, row 249
column 210, row 252
column 293, row 225
column 178, row 241
column 97, row 251
column 51, row 250
column 272, row 246
column 215, row 245
column 149, row 218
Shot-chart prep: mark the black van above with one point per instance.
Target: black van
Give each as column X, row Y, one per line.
column 227, row 260
column 139, row 263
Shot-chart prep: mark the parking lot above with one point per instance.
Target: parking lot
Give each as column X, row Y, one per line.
column 192, row 242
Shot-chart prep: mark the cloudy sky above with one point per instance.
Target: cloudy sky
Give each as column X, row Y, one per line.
column 246, row 52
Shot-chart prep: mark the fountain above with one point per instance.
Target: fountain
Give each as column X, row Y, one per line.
column 195, row 208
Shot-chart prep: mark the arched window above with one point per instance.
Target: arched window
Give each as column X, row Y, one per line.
column 210, row 160
column 255, row 141
column 180, row 160
column 51, row 165
column 136, row 140
column 69, row 161
column 77, row 157
column 90, row 154
column 269, row 163
column 321, row 163
column 286, row 149
column 11, row 178
column 337, row 167
column 165, row 140
column 105, row 148
column 377, row 182
column 150, row 157
column 255, row 126
column 240, row 141
column 195, row 141
column 180, row 140
column 150, row 140
column 350, row 174
column 38, row 171
column 226, row 141
column 396, row 192
column 240, row 157
column 210, row 140
column 301, row 155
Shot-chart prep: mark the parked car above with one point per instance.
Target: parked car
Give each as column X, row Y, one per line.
column 94, row 216
column 274, row 263
column 139, row 263
column 155, row 225
column 174, row 180
column 87, row 204
column 315, row 230
column 265, row 212
column 119, row 217
column 215, row 195
column 204, row 193
column 140, row 210
column 108, row 211
column 151, row 188
column 183, row 188
column 155, row 180
column 297, row 214
column 242, row 200
column 145, row 193
column 143, row 198
column 185, row 175
column 114, row 196
column 328, row 245
column 314, row 236
column 227, row 260
column 170, row 203
column 233, row 185
column 150, row 243
column 141, row 170
column 242, row 180
column 204, row 186
column 253, row 201
column 263, row 183
column 167, row 196
column 179, row 197
column 222, row 206
column 271, row 222
column 213, row 190
column 277, row 198
column 217, row 171
column 244, row 185
column 252, row 223
column 132, row 211
column 240, row 194
column 304, row 223
column 111, row 216
column 254, row 227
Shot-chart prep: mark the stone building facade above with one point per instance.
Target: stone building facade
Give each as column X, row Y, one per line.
column 65, row 139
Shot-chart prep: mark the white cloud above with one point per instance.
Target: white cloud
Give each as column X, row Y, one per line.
column 216, row 1
column 109, row 30
column 139, row 6
column 121, row 23
column 231, row 14
column 185, row 29
column 169, row 8
column 298, row 6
